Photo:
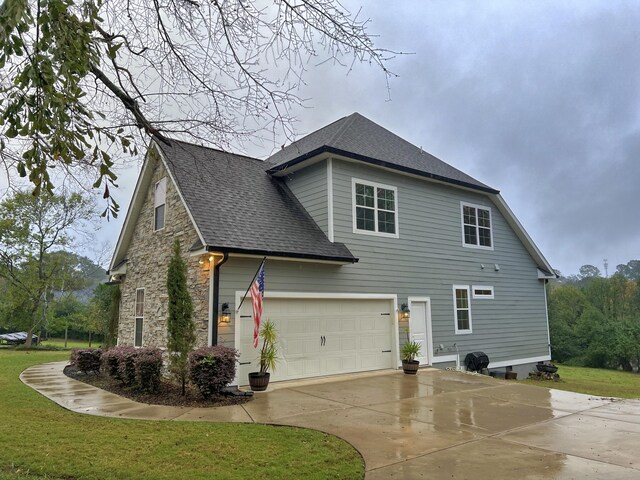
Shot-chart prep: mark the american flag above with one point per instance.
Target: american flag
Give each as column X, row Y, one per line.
column 257, row 294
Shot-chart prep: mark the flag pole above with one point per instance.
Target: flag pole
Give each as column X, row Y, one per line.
column 264, row 259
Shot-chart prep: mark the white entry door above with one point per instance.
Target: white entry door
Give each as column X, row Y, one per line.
column 420, row 327
column 321, row 336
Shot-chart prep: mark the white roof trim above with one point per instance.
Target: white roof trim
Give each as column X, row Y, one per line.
column 522, row 234
column 144, row 180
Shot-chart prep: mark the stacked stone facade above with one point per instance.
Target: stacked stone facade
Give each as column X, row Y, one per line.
column 148, row 259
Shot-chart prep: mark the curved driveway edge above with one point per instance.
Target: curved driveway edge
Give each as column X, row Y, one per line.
column 437, row 424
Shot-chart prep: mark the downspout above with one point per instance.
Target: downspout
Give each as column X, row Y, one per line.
column 216, row 298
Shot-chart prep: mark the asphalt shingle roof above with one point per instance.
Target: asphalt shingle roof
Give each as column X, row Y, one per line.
column 358, row 137
column 239, row 208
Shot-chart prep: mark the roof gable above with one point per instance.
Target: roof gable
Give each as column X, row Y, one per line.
column 358, row 137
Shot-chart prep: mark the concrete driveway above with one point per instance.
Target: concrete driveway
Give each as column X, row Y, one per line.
column 436, row 425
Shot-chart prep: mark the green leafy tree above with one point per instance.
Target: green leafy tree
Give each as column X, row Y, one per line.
column 99, row 314
column 79, row 80
column 67, row 313
column 180, row 325
column 33, row 230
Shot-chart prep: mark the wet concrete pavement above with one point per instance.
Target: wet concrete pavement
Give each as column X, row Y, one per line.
column 437, row 425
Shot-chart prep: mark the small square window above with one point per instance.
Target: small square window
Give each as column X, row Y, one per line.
column 476, row 226
column 375, row 209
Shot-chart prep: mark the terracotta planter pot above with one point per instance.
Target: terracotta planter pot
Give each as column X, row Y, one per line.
column 410, row 367
column 259, row 381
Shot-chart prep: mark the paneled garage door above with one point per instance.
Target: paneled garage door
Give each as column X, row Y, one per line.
column 321, row 336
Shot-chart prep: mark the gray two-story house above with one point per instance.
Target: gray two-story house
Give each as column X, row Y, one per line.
column 369, row 240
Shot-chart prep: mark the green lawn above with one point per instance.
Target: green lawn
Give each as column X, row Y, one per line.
column 595, row 381
column 39, row 439
column 59, row 342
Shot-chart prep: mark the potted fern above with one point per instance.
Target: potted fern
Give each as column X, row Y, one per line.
column 258, row 381
column 409, row 352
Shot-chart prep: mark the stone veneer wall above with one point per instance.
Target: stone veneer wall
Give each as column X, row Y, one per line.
column 148, row 259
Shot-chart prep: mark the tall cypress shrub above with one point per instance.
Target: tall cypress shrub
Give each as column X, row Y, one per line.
column 180, row 325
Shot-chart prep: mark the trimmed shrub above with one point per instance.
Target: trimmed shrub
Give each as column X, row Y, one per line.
column 86, row 360
column 212, row 368
column 140, row 368
column 148, row 367
column 110, row 360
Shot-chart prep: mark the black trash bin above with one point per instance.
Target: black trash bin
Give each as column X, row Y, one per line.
column 476, row 361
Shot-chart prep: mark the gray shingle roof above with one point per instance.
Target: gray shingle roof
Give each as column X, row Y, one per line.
column 358, row 137
column 237, row 207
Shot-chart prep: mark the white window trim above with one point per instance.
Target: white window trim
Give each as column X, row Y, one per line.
column 476, row 206
column 155, row 188
column 136, row 317
column 455, row 310
column 353, row 212
column 482, row 287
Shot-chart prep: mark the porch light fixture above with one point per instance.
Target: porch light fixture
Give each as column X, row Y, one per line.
column 225, row 314
column 404, row 312
column 201, row 261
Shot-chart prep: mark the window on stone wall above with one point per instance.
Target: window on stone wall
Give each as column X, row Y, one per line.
column 159, row 203
column 139, row 317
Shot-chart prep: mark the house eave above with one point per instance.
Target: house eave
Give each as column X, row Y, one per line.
column 287, row 256
column 285, row 168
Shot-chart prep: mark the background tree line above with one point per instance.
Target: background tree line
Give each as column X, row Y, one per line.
column 45, row 288
column 595, row 321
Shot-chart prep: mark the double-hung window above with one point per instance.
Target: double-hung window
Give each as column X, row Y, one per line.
column 462, row 308
column 476, row 226
column 375, row 208
column 139, row 318
column 159, row 203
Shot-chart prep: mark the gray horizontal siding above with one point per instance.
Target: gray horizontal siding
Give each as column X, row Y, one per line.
column 426, row 260
column 309, row 185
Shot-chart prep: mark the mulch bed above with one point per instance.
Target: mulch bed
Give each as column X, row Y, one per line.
column 168, row 393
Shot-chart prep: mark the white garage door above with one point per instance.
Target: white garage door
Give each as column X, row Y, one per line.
column 321, row 336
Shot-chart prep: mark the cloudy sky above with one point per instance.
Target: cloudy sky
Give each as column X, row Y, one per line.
column 539, row 99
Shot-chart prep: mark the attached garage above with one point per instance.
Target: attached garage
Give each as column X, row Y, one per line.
column 322, row 334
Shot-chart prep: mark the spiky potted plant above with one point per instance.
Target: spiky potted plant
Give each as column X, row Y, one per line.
column 409, row 352
column 258, row 381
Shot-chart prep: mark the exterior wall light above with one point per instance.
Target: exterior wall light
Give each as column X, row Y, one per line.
column 405, row 313
column 225, row 314
column 201, row 261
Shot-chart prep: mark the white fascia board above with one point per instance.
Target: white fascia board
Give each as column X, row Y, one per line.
column 132, row 213
column 175, row 184
column 545, row 276
column 522, row 234
column 518, row 361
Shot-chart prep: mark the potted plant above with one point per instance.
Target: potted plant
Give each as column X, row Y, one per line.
column 258, row 381
column 409, row 352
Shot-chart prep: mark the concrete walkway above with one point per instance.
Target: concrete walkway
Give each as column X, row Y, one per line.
column 437, row 425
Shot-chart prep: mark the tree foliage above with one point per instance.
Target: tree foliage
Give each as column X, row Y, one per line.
column 33, row 232
column 79, row 79
column 180, row 326
column 595, row 321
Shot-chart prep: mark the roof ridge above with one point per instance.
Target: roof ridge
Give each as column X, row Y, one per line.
column 191, row 144
column 349, row 120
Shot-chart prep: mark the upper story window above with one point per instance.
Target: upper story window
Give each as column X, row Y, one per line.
column 462, row 308
column 375, row 208
column 476, row 226
column 159, row 203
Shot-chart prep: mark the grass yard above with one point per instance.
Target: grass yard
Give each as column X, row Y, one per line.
column 59, row 342
column 39, row 439
column 595, row 381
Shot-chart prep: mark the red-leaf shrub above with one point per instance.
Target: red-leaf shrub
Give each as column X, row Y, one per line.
column 148, row 367
column 134, row 367
column 86, row 360
column 212, row 368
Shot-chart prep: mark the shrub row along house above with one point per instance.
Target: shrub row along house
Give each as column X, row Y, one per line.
column 358, row 226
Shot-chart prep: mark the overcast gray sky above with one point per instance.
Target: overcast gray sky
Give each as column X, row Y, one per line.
column 539, row 99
